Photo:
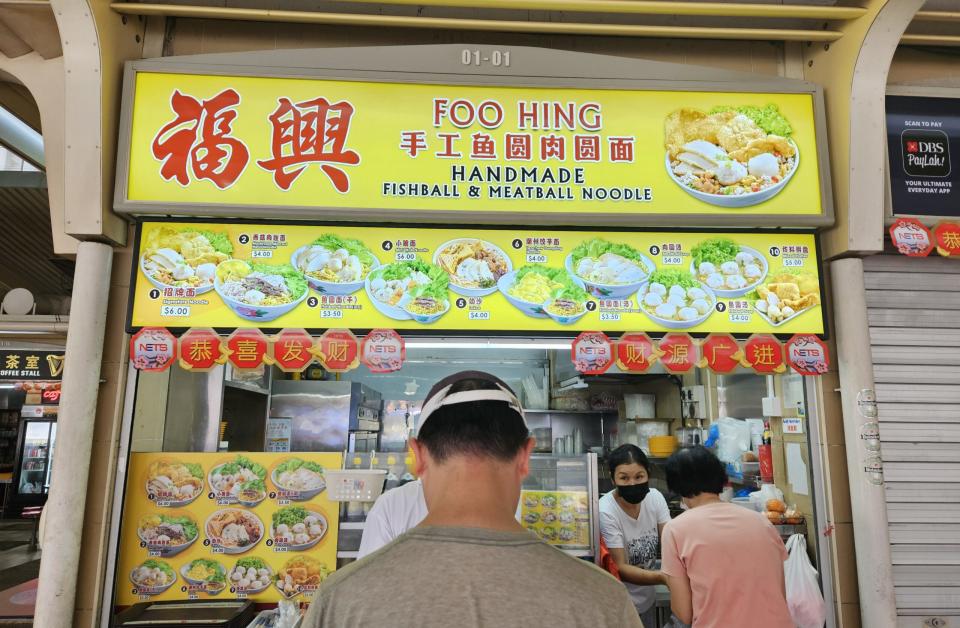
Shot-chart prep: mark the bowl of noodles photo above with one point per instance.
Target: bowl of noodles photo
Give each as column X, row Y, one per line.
column 609, row 269
column 183, row 258
column 545, row 292
column 174, row 483
column 730, row 157
column 474, row 266
column 409, row 290
column 334, row 265
column 260, row 292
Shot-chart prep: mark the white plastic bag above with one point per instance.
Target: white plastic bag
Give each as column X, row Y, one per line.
column 804, row 599
column 734, row 439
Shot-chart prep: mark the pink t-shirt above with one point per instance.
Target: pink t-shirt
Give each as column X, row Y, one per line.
column 733, row 558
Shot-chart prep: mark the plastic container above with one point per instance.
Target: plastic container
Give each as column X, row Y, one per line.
column 640, row 406
column 354, row 485
column 662, row 446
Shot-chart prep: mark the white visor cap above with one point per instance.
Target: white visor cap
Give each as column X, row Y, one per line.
column 441, row 396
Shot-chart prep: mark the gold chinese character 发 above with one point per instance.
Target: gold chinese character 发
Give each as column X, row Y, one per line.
column 293, row 352
column 338, row 350
column 13, row 362
column 636, row 355
column 678, row 353
column 247, row 350
column 201, row 350
column 33, row 362
column 763, row 355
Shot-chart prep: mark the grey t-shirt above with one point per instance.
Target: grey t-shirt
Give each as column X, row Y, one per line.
column 437, row 577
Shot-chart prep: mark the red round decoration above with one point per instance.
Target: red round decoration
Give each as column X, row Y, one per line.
column 383, row 351
column 807, row 355
column 764, row 354
column 338, row 350
column 247, row 348
column 679, row 352
column 636, row 352
column 947, row 237
column 201, row 349
column 292, row 350
column 720, row 352
column 592, row 353
column 153, row 349
column 911, row 237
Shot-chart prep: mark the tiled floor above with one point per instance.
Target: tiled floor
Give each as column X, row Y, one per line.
column 18, row 565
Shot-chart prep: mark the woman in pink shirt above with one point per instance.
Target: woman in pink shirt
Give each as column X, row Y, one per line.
column 722, row 562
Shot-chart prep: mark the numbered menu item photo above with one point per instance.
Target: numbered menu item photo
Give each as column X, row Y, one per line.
column 609, row 269
column 335, row 265
column 173, row 482
column 474, row 266
column 410, row 290
column 235, row 531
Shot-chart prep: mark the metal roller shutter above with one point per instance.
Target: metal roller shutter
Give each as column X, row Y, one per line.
column 914, row 312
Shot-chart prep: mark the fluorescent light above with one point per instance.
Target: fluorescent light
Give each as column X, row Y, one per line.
column 17, row 332
column 8, row 385
column 487, row 344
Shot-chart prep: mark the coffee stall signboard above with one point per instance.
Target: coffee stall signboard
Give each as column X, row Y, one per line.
column 28, row 364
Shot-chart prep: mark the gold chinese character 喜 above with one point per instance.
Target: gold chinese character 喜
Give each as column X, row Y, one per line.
column 247, row 350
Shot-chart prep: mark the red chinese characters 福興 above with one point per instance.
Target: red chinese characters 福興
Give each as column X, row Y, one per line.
column 310, row 132
column 197, row 143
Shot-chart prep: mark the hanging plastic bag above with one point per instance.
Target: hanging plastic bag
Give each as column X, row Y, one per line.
column 804, row 599
column 734, row 439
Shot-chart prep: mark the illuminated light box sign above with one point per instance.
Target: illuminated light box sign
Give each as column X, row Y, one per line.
column 516, row 279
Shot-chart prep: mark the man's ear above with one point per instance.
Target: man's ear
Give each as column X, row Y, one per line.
column 523, row 458
column 420, row 457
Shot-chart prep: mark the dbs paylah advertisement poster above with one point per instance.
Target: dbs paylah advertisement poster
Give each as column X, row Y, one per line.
column 226, row 525
column 520, row 279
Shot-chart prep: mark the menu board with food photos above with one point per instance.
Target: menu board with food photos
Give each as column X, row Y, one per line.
column 561, row 518
column 519, row 279
column 231, row 525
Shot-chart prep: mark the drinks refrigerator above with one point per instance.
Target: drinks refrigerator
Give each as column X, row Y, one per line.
column 34, row 465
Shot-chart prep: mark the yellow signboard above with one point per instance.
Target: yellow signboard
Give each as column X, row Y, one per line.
column 525, row 279
column 222, row 525
column 241, row 141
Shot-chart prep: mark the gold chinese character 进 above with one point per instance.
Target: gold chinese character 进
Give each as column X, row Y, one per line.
column 763, row 355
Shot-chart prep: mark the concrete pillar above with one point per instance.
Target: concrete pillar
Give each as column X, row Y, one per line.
column 68, row 490
column 878, row 605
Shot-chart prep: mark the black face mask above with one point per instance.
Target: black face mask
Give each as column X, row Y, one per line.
column 633, row 493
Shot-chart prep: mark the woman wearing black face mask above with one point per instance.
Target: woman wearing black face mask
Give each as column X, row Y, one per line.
column 631, row 519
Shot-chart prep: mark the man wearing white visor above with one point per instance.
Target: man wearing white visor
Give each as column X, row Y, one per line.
column 470, row 564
